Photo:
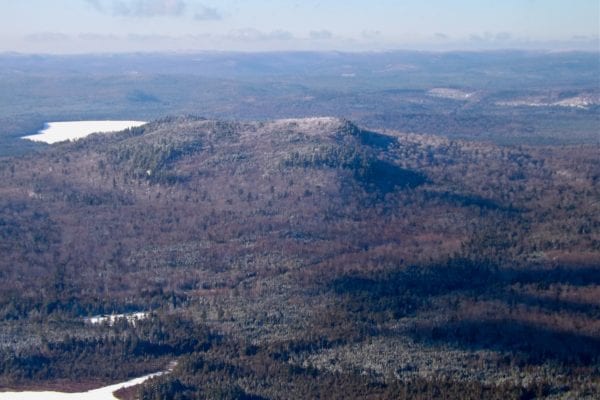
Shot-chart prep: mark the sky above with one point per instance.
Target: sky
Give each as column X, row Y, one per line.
column 110, row 26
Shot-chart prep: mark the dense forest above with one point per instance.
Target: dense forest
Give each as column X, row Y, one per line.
column 301, row 258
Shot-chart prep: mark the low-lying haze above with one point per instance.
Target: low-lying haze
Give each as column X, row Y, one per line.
column 84, row 26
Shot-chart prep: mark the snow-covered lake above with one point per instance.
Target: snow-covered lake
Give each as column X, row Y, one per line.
column 55, row 132
column 104, row 393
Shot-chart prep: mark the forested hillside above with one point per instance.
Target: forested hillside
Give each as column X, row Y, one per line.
column 281, row 259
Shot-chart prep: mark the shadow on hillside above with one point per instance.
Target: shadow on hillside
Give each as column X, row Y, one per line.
column 530, row 343
column 384, row 177
column 460, row 274
column 405, row 292
column 467, row 200
column 376, row 140
column 557, row 305
column 575, row 276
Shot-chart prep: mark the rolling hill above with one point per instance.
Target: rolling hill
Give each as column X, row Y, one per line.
column 281, row 258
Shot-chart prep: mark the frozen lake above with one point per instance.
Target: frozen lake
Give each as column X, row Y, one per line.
column 55, row 132
column 104, row 393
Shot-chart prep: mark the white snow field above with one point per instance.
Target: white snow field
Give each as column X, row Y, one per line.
column 111, row 319
column 103, row 393
column 55, row 132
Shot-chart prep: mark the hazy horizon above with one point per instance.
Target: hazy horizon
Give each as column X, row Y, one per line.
column 124, row 26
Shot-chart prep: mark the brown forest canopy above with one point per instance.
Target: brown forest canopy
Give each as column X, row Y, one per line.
column 290, row 256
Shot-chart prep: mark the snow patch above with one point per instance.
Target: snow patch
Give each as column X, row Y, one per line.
column 103, row 393
column 453, row 94
column 110, row 319
column 581, row 101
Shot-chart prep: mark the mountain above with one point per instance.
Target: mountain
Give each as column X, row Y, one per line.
column 280, row 258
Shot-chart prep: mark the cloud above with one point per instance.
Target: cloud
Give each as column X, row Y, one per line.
column 47, row 37
column 280, row 35
column 370, row 34
column 93, row 37
column 492, row 38
column 254, row 35
column 503, row 36
column 486, row 37
column 439, row 35
column 150, row 38
column 140, row 8
column 207, row 14
column 321, row 35
column 97, row 4
column 156, row 8
column 583, row 38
